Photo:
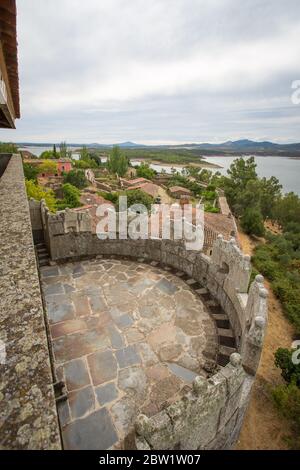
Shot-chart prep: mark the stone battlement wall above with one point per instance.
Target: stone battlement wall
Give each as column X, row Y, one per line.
column 210, row 416
column 207, row 417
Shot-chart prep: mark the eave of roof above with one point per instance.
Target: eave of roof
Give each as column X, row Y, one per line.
column 8, row 37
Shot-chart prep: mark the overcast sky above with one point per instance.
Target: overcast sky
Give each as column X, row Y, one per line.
column 157, row 71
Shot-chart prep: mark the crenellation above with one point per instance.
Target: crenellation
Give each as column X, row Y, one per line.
column 211, row 413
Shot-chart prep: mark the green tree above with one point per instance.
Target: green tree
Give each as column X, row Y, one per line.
column 84, row 154
column 48, row 155
column 136, row 196
column 117, row 162
column 144, row 171
column 48, row 167
column 287, row 209
column 63, row 150
column 270, row 193
column 30, row 171
column 38, row 193
column 54, row 151
column 241, row 171
column 76, row 178
column 71, row 197
column 252, row 222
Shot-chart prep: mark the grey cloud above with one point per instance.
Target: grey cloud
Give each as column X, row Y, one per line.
column 165, row 70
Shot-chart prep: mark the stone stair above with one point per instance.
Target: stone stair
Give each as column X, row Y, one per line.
column 42, row 254
column 227, row 344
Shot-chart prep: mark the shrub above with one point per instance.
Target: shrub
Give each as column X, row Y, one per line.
column 144, row 171
column 71, row 197
column 252, row 222
column 289, row 371
column 48, row 167
column 112, row 197
column 38, row 193
column 287, row 400
column 76, row 178
column 138, row 197
column 30, row 171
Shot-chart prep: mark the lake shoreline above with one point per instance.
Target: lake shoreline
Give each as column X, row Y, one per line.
column 177, row 165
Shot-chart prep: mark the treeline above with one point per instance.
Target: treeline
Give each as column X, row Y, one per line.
column 255, row 200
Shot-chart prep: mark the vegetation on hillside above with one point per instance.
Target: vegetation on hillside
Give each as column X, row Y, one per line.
column 287, row 395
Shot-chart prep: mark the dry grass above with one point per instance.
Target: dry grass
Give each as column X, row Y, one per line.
column 264, row 427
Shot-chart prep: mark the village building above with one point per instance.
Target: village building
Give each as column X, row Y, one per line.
column 64, row 165
column 151, row 189
column 179, row 192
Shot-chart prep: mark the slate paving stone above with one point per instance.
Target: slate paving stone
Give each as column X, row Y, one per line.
column 97, row 303
column 79, row 344
column 166, row 286
column 181, row 372
column 81, row 402
column 78, row 269
column 76, row 374
column 63, row 413
column 106, row 393
column 103, row 367
column 58, row 313
column 53, row 289
column 95, row 432
column 67, row 327
column 81, row 306
column 68, row 288
column 49, row 271
column 124, row 321
column 116, row 339
column 128, row 357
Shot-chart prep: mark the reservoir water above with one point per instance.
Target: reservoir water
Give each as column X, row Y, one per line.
column 287, row 170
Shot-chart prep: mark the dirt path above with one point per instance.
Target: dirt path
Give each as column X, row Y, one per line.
column 263, row 427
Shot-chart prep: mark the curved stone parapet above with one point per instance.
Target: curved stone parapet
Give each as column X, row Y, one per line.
column 205, row 418
column 209, row 416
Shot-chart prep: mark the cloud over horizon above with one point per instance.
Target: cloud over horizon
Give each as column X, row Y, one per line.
column 159, row 71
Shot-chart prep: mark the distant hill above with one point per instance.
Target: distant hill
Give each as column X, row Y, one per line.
column 243, row 146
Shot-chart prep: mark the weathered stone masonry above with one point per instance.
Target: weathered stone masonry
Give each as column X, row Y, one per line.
column 211, row 415
column 28, row 418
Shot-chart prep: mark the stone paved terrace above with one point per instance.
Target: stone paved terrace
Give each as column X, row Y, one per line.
column 127, row 338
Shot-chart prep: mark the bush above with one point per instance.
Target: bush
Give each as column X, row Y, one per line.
column 287, row 397
column 112, row 197
column 138, row 197
column 71, row 197
column 289, row 371
column 287, row 400
column 76, row 178
column 48, row 167
column 252, row 222
column 144, row 171
column 30, row 171
column 38, row 193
